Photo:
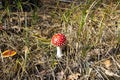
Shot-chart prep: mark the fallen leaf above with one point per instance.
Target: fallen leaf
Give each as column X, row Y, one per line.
column 25, row 49
column 60, row 75
column 8, row 53
column 109, row 73
column 73, row 76
column 107, row 63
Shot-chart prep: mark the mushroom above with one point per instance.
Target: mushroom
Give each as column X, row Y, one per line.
column 8, row 53
column 59, row 41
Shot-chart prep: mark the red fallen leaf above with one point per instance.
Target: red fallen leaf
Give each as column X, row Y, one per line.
column 1, row 27
column 8, row 53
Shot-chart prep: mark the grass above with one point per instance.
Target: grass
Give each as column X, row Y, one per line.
column 92, row 51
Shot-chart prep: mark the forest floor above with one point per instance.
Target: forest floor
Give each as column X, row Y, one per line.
column 92, row 52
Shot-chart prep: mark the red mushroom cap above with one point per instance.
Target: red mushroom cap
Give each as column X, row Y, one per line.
column 58, row 39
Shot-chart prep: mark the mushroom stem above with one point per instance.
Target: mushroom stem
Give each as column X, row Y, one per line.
column 59, row 52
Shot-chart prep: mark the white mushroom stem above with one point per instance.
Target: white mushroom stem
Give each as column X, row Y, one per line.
column 59, row 52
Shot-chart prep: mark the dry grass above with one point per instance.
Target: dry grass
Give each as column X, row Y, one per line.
column 92, row 29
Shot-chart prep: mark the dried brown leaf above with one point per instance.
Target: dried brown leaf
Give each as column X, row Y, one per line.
column 107, row 63
column 73, row 76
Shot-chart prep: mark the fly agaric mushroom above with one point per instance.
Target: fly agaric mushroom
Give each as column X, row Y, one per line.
column 59, row 41
column 8, row 53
